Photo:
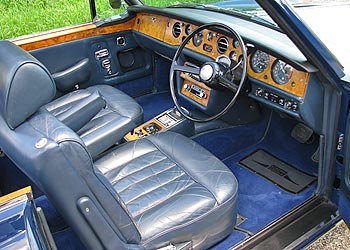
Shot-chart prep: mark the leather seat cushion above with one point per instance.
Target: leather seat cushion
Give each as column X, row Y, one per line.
column 173, row 190
column 119, row 115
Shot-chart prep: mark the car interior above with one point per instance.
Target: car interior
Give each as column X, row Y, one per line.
column 190, row 129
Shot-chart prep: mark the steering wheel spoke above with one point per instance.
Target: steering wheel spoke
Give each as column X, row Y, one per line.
column 186, row 69
column 228, row 84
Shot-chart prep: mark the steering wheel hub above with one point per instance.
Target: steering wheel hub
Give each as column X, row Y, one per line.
column 207, row 72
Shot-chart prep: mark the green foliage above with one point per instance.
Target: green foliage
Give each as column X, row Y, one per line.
column 20, row 17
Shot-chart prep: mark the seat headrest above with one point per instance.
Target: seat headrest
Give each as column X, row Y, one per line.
column 25, row 84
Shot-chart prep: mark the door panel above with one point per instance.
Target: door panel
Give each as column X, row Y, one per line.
column 126, row 61
column 111, row 59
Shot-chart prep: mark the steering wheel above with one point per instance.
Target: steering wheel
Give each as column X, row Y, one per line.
column 211, row 73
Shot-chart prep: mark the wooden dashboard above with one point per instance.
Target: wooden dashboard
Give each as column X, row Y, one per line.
column 162, row 28
column 173, row 31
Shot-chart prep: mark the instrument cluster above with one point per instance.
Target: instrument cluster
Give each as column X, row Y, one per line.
column 281, row 72
column 207, row 42
column 273, row 71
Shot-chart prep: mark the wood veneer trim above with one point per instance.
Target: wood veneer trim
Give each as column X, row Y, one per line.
column 24, row 191
column 189, row 81
column 132, row 136
column 151, row 25
column 297, row 85
column 64, row 35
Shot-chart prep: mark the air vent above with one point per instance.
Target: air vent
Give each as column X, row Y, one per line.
column 222, row 45
column 177, row 29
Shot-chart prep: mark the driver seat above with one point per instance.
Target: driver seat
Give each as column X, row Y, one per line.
column 151, row 193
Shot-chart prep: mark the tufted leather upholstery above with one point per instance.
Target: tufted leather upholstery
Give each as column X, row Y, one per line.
column 101, row 121
column 173, row 190
column 142, row 195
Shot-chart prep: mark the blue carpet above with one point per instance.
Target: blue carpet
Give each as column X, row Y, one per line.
column 154, row 104
column 66, row 240
column 137, row 87
column 279, row 143
column 54, row 219
column 63, row 235
column 259, row 200
column 236, row 236
column 226, row 142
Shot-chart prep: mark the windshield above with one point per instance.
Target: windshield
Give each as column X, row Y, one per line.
column 327, row 18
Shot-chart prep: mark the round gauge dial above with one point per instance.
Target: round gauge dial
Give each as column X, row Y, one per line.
column 188, row 29
column 281, row 72
column 233, row 55
column 197, row 39
column 235, row 44
column 210, row 36
column 224, row 60
column 259, row 61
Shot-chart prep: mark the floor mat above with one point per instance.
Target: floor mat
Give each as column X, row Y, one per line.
column 277, row 171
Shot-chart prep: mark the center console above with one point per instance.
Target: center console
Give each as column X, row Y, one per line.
column 170, row 119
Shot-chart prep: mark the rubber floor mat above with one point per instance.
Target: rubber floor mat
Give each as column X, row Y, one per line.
column 277, row 171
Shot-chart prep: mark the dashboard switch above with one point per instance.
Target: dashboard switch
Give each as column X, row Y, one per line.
column 259, row 92
column 276, row 99
column 289, row 104
column 102, row 53
column 106, row 64
column 266, row 95
column 281, row 102
column 295, row 107
column 120, row 40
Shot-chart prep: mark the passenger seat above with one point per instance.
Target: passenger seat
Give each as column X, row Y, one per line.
column 101, row 115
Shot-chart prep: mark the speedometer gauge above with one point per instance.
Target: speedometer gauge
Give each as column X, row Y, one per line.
column 259, row 61
column 281, row 72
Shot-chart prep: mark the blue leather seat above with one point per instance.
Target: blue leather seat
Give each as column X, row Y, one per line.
column 101, row 115
column 146, row 194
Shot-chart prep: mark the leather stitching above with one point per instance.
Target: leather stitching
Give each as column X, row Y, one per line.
column 143, row 179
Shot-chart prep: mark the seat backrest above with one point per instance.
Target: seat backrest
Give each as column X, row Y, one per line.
column 53, row 156
column 21, row 75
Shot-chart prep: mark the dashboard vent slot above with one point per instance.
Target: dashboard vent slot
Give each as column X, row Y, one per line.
column 177, row 29
column 222, row 45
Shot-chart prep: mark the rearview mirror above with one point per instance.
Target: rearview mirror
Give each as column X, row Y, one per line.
column 115, row 4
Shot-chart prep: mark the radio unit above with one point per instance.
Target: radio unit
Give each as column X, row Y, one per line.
column 195, row 90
